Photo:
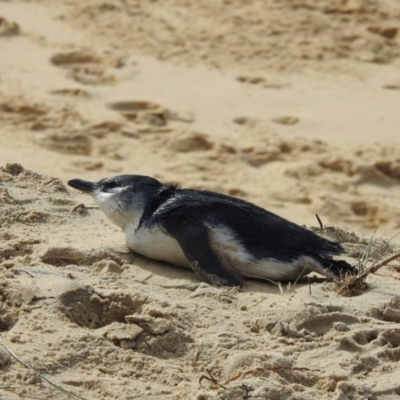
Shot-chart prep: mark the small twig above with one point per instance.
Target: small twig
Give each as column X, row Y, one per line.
column 22, row 270
column 321, row 225
column 367, row 252
column 39, row 374
column 262, row 369
column 247, row 389
column 273, row 282
column 196, row 355
column 299, row 276
column 386, row 243
column 211, row 379
column 280, row 288
column 146, row 278
column 375, row 267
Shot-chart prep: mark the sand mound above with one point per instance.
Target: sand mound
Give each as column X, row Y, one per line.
column 106, row 323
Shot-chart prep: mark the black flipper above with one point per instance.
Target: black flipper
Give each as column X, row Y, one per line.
column 206, row 261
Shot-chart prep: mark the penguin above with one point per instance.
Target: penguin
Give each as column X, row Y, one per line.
column 221, row 238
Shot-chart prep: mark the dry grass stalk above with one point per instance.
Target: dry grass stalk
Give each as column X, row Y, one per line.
column 39, row 374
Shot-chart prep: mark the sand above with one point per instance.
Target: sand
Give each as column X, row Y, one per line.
column 292, row 105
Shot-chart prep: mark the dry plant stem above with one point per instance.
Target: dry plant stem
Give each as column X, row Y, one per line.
column 384, row 244
column 22, row 270
column 280, row 288
column 375, row 268
column 40, row 375
column 368, row 271
column 321, row 225
column 196, row 356
column 301, row 273
column 367, row 253
column 262, row 369
column 257, row 370
column 211, row 379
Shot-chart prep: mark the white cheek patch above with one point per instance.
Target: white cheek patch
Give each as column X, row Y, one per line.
column 110, row 207
column 105, row 201
column 108, row 203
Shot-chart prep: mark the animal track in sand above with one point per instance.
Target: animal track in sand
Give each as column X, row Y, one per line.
column 8, row 28
column 314, row 321
column 134, row 106
column 86, row 308
column 380, row 343
column 389, row 311
column 141, row 112
column 75, row 92
column 61, row 256
column 188, row 141
column 149, row 113
column 19, row 111
column 124, row 320
column 322, row 324
column 390, row 168
column 70, row 143
column 8, row 309
column 286, row 120
column 274, row 83
column 86, row 67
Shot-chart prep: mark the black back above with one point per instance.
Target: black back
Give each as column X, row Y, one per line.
column 262, row 233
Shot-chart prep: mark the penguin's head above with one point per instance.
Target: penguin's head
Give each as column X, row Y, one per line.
column 122, row 198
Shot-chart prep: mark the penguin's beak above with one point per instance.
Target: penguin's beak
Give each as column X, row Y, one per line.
column 83, row 186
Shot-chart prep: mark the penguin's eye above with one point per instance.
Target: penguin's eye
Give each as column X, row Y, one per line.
column 110, row 185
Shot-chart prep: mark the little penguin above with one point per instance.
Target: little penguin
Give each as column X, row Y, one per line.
column 222, row 238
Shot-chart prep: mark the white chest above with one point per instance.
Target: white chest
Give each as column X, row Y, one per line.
column 156, row 244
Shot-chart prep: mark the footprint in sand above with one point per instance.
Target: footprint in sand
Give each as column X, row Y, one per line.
column 9, row 312
column 74, row 92
column 8, row 28
column 125, row 320
column 389, row 168
column 145, row 112
column 85, row 67
column 141, row 112
column 286, row 120
column 380, row 345
column 389, row 311
column 261, row 81
column 188, row 141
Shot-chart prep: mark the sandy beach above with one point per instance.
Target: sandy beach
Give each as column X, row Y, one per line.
column 291, row 105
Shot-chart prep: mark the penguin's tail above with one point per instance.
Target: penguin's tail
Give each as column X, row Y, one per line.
column 337, row 269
